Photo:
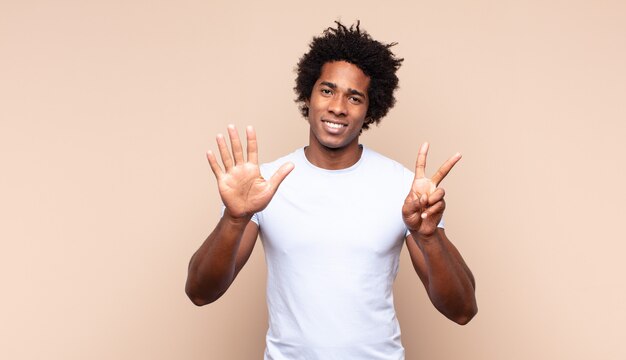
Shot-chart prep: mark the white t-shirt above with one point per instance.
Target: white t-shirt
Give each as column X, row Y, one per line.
column 332, row 241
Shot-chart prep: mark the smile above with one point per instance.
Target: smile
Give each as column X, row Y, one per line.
column 333, row 125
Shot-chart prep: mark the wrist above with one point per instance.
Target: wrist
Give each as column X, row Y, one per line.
column 237, row 220
column 425, row 238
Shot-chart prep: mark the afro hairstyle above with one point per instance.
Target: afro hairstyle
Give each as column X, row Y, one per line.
column 355, row 46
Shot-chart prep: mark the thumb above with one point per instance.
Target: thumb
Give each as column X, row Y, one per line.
column 280, row 175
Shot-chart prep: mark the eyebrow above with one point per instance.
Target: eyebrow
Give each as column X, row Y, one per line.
column 350, row 91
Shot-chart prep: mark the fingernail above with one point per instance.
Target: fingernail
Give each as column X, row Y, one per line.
column 424, row 215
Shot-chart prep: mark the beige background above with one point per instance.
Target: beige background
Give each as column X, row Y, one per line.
column 107, row 108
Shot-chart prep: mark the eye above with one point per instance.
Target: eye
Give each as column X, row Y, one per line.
column 355, row 100
column 326, row 92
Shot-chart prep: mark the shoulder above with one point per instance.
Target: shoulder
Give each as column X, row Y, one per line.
column 378, row 162
column 386, row 172
column 267, row 169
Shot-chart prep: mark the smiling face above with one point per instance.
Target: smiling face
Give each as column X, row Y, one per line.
column 337, row 108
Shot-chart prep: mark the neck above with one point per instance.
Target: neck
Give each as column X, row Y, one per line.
column 333, row 159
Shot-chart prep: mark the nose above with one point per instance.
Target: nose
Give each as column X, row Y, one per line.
column 337, row 105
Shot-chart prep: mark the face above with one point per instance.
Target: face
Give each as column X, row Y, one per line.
column 338, row 106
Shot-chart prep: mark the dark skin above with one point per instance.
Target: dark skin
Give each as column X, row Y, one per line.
column 447, row 279
column 244, row 192
column 337, row 110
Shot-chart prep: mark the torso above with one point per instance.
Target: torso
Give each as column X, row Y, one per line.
column 332, row 241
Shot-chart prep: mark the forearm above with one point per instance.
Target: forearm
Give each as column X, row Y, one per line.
column 450, row 283
column 213, row 267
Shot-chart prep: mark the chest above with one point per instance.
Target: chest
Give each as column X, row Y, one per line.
column 334, row 217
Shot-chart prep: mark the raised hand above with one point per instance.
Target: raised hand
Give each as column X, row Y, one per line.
column 242, row 188
column 424, row 205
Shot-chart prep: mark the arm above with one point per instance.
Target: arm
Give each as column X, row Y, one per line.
column 448, row 280
column 244, row 192
column 213, row 268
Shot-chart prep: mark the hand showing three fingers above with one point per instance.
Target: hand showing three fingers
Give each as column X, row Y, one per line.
column 423, row 207
column 242, row 188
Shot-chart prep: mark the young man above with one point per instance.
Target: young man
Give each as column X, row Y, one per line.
column 333, row 230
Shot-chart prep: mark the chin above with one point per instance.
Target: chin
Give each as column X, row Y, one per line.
column 335, row 145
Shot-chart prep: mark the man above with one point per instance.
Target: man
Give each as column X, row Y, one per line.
column 333, row 230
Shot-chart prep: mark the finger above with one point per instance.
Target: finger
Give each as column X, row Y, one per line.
column 280, row 175
column 253, row 156
column 215, row 167
column 235, row 143
column 423, row 202
column 437, row 208
column 224, row 154
column 445, row 168
column 412, row 204
column 420, row 164
column 412, row 211
column 435, row 196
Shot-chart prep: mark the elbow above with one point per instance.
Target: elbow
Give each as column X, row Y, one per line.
column 204, row 290
column 198, row 301
column 460, row 310
column 466, row 316
column 198, row 298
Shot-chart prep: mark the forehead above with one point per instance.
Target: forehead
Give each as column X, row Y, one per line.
column 344, row 75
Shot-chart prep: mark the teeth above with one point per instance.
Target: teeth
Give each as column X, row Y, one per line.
column 333, row 125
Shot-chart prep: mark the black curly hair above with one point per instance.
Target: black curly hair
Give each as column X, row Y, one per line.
column 356, row 47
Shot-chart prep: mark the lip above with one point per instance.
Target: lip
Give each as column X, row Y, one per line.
column 333, row 130
column 335, row 122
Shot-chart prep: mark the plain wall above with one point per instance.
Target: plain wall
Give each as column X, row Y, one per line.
column 107, row 109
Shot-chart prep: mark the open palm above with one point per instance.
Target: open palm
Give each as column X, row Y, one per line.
column 242, row 188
